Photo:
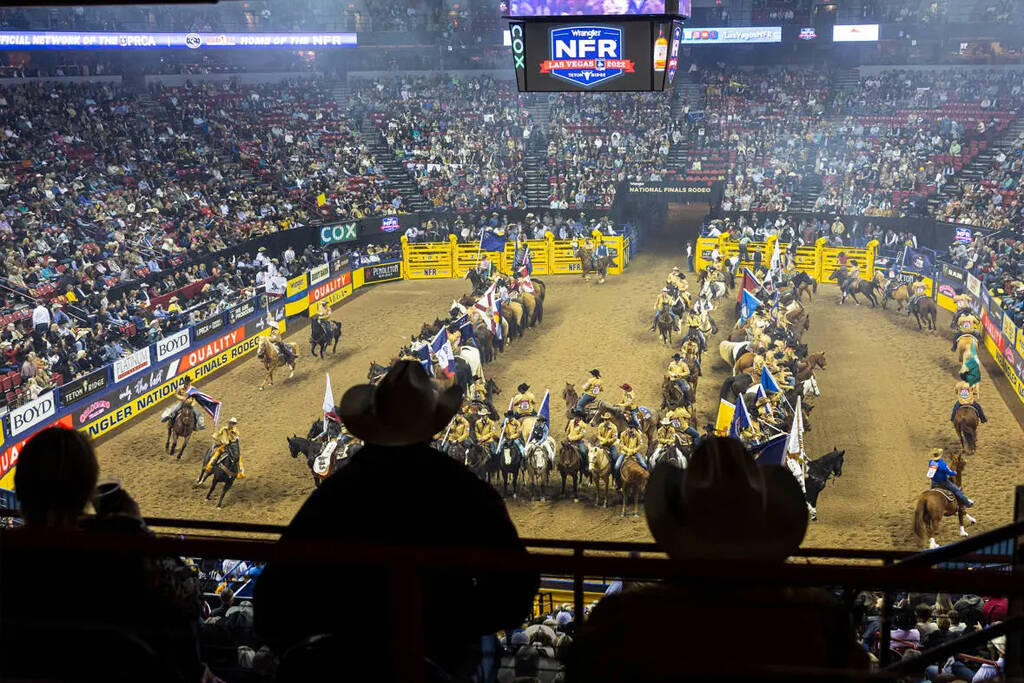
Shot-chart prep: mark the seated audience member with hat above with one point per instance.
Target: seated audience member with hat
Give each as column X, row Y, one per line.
column 396, row 490
column 722, row 508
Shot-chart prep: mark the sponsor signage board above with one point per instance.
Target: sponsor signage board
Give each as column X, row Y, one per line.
column 9, row 456
column 208, row 327
column 32, row 413
column 319, row 273
column 335, row 234
column 200, row 354
column 725, row 35
column 168, row 346
column 321, row 291
column 241, row 311
column 855, row 33
column 102, row 40
column 130, row 364
column 296, row 285
column 382, row 272
column 93, row 383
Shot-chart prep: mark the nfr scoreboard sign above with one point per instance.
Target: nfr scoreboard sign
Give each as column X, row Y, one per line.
column 587, row 55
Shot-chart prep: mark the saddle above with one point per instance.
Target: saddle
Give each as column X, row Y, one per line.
column 971, row 406
column 945, row 494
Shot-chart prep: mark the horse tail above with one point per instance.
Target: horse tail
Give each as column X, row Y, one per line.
column 726, row 388
column 970, row 432
column 814, row 284
column 922, row 519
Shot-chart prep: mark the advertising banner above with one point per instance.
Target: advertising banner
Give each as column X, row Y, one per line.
column 952, row 280
column 973, row 285
column 589, row 56
column 32, row 413
column 200, row 354
column 9, row 456
column 241, row 311
column 296, row 285
column 994, row 331
column 382, row 272
column 93, row 383
column 130, row 364
column 335, row 234
column 296, row 300
column 208, row 327
column 168, row 346
column 1009, row 332
column 319, row 273
column 725, row 35
column 321, row 291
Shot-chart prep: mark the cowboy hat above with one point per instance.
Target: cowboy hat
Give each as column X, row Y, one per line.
column 403, row 409
column 676, row 356
column 724, row 506
column 606, row 416
column 523, row 387
column 233, row 420
column 596, row 373
column 666, row 421
column 625, row 386
column 935, row 452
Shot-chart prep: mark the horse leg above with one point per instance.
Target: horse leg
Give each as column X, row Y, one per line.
column 170, row 430
column 291, row 366
column 623, row 513
column 337, row 337
column 212, row 487
column 223, row 492
column 184, row 443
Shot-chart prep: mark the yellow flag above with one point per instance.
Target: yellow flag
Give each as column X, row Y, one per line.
column 724, row 419
column 321, row 199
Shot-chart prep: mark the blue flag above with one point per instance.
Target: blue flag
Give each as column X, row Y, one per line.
column 740, row 418
column 544, row 412
column 465, row 328
column 917, row 260
column 442, row 349
column 490, row 241
column 771, row 452
column 768, row 382
column 423, row 353
column 750, row 304
column 206, row 402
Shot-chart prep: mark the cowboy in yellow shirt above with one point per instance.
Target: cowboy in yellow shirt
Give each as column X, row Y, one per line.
column 222, row 438
column 172, row 305
column 665, row 301
column 523, row 403
column 576, row 432
column 513, row 431
column 607, row 435
column 967, row 395
column 485, row 434
column 629, row 444
column 680, row 419
column 459, row 430
column 591, row 388
column 690, row 349
column 323, row 311
column 677, row 372
column 478, row 390
column 628, row 404
column 963, row 305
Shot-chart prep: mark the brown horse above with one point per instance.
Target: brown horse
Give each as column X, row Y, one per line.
column 529, row 304
column 183, row 424
column 567, row 461
column 808, row 365
column 600, row 472
column 592, row 264
column 965, row 421
column 866, row 288
column 634, row 482
column 571, row 397
column 966, row 345
column 900, row 294
column 272, row 359
column 672, row 397
column 934, row 504
column 924, row 309
column 666, row 324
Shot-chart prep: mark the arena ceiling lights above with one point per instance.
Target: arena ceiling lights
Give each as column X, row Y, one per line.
column 68, row 40
column 855, row 33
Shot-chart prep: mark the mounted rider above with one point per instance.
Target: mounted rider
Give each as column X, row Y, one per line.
column 667, row 436
column 679, row 418
column 575, row 433
column 852, row 275
column 513, row 431
column 677, row 373
column 918, row 290
column 591, row 388
column 477, row 391
column 690, row 350
column 458, row 431
column 630, row 443
column 967, row 395
column 222, row 438
column 524, row 403
column 485, row 433
column 963, row 306
column 693, row 321
column 284, row 348
column 607, row 435
column 965, row 322
column 665, row 302
column 333, row 428
column 628, row 405
column 184, row 399
column 939, row 474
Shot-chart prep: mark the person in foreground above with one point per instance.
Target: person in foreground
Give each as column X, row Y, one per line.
column 395, row 491
column 105, row 615
column 724, row 509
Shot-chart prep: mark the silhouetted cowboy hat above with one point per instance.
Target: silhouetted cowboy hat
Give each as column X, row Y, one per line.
column 403, row 409
column 523, row 387
column 596, row 373
column 724, row 506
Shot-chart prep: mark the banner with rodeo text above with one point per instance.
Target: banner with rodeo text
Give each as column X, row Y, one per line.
column 678, row 191
column 119, row 405
column 382, row 272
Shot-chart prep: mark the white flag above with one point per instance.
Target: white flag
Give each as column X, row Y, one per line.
column 328, row 397
column 795, row 442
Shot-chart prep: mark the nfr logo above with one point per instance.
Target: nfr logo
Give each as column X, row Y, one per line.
column 587, row 55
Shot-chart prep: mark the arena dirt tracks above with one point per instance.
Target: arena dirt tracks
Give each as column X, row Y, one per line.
column 886, row 399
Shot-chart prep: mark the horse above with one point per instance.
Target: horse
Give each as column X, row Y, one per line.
column 966, row 345
column 376, row 372
column 567, row 461
column 666, row 324
column 898, row 293
column 272, row 359
column 321, row 333
column 510, row 459
column 923, row 309
column 321, row 465
column 600, row 464
column 736, row 385
column 471, row 355
column 675, row 455
column 818, row 473
column 478, row 280
column 965, row 421
column 805, row 368
column 224, row 470
column 804, row 284
column 673, row 397
column 859, row 286
column 183, row 424
column 731, row 351
column 539, row 456
column 648, row 427
column 510, row 323
column 592, row 264
column 634, row 483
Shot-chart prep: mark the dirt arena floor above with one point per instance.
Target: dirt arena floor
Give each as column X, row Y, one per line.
column 886, row 398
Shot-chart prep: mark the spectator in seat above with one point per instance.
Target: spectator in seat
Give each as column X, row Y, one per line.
column 396, row 420
column 721, row 508
column 56, row 479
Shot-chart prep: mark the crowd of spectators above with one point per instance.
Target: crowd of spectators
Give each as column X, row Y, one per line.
column 995, row 201
column 999, row 263
column 462, row 139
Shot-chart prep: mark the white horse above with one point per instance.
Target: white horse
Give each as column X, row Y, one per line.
column 674, row 454
column 545, row 448
column 471, row 355
column 539, row 460
column 712, row 290
column 731, row 351
column 810, row 387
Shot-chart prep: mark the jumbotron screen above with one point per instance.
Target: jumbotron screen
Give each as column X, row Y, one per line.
column 582, row 8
